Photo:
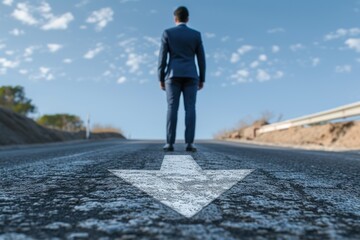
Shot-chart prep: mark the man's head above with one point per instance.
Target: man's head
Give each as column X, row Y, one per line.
column 181, row 14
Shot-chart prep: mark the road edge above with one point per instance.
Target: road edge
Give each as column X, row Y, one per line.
column 292, row 146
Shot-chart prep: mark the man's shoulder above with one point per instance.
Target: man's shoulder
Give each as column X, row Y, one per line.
column 181, row 28
column 194, row 30
column 169, row 29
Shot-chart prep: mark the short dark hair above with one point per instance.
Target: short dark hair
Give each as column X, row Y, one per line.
column 182, row 14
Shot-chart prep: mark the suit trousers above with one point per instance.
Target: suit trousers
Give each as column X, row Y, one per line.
column 174, row 87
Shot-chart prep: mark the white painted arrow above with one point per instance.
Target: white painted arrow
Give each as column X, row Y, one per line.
column 181, row 184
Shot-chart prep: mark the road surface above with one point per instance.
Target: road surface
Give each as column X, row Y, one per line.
column 66, row 191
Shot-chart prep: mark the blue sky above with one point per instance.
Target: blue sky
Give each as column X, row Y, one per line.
column 99, row 57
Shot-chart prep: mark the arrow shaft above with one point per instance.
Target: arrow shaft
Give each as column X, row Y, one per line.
column 184, row 164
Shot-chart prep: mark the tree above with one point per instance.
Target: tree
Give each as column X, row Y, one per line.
column 65, row 122
column 13, row 98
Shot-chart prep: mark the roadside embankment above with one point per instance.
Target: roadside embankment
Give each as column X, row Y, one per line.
column 18, row 129
column 336, row 136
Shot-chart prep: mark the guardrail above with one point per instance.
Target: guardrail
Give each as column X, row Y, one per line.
column 346, row 111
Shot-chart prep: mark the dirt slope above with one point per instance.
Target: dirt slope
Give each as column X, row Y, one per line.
column 342, row 135
column 17, row 129
column 345, row 135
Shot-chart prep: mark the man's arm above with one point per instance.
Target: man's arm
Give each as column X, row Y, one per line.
column 164, row 49
column 200, row 55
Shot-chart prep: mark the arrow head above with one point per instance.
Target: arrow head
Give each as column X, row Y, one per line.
column 181, row 184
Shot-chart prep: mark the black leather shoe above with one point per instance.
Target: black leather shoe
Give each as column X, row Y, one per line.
column 168, row 148
column 190, row 148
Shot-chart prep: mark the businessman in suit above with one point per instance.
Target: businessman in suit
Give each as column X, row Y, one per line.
column 178, row 74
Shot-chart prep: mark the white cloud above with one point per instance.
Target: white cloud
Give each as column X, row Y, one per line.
column 17, row 32
column 44, row 70
column 8, row 64
column 153, row 11
column 210, row 35
column 121, row 80
column 142, row 81
column 134, row 59
column 262, row 75
column 50, row 77
column 9, row 52
column 153, row 71
column 107, row 73
column 44, row 73
column 263, row 57
column 315, row 61
column 342, row 32
column 93, row 52
column 82, row 3
column 254, row 64
column 23, row 14
column 29, row 51
column 26, row 13
column 241, row 75
column 296, row 47
column 276, row 30
column 128, row 44
column 45, row 9
column 67, row 60
column 218, row 72
column 279, row 74
column 152, row 40
column 225, row 38
column 23, row 71
column 343, row 69
column 58, row 23
column 244, row 49
column 353, row 43
column 219, row 56
column 133, row 62
column 275, row 49
column 53, row 47
column 7, row 2
column 235, row 57
column 101, row 18
column 244, row 73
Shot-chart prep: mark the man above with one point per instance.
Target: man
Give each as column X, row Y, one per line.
column 179, row 75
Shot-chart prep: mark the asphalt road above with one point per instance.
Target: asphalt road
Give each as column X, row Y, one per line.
column 65, row 191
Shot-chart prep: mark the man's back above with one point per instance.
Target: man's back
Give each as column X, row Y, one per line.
column 182, row 44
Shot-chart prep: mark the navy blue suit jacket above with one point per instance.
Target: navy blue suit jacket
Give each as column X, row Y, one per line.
column 182, row 44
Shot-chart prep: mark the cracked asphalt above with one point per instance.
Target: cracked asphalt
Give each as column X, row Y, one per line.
column 65, row 191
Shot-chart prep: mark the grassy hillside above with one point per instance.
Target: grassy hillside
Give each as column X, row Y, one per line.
column 18, row 129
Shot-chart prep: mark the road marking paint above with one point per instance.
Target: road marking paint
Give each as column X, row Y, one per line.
column 181, row 184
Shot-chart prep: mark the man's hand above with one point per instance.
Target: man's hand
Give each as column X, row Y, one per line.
column 162, row 85
column 201, row 85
